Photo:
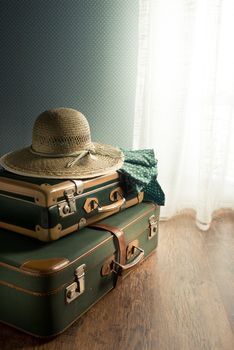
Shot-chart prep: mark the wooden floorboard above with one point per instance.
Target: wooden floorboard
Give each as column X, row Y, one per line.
column 220, row 251
column 181, row 298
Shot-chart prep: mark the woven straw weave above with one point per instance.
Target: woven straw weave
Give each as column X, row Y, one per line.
column 62, row 148
column 57, row 131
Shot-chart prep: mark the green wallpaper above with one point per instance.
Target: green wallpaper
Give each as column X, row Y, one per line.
column 68, row 53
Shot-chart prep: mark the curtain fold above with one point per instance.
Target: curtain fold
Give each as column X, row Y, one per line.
column 184, row 101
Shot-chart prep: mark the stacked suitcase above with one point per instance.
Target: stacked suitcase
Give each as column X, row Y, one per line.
column 64, row 244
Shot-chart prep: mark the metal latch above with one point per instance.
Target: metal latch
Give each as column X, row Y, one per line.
column 69, row 195
column 69, row 206
column 75, row 289
column 153, row 226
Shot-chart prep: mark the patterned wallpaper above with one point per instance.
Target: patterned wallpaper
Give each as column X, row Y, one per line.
column 68, row 53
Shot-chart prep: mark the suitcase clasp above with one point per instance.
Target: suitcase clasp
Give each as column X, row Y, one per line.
column 153, row 226
column 75, row 289
column 69, row 195
column 68, row 207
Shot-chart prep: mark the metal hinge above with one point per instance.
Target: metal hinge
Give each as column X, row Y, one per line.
column 153, row 226
column 75, row 289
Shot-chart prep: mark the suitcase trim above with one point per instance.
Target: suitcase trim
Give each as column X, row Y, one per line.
column 36, row 273
column 30, row 292
column 56, row 232
column 46, row 195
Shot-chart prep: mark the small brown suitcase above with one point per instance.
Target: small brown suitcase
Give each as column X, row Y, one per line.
column 48, row 209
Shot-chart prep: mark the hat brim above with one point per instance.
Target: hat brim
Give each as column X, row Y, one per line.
column 24, row 162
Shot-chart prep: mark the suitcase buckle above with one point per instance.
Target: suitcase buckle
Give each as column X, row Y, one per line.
column 77, row 288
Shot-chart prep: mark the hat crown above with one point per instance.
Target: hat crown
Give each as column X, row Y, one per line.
column 61, row 131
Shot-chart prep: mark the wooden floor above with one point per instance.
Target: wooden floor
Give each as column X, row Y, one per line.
column 181, row 298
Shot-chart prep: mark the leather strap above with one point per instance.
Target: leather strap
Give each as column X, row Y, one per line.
column 119, row 234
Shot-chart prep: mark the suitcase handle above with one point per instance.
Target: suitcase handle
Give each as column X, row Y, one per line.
column 133, row 263
column 116, row 205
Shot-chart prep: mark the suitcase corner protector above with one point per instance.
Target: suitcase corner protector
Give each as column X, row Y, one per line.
column 48, row 234
column 44, row 266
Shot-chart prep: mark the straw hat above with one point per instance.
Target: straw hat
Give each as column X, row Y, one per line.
column 62, row 148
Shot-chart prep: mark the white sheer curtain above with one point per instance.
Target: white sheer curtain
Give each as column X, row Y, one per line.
column 185, row 101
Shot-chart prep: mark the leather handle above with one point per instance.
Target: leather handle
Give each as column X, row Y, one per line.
column 133, row 263
column 116, row 205
column 119, row 267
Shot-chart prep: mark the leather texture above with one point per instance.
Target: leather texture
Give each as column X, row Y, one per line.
column 41, row 290
column 119, row 235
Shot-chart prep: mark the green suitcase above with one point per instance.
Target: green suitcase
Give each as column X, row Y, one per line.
column 44, row 288
column 49, row 209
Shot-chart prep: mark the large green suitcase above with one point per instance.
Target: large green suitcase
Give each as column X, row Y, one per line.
column 48, row 209
column 44, row 288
